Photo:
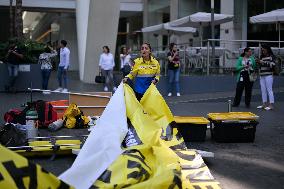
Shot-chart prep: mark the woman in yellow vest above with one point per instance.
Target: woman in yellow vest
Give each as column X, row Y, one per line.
column 146, row 70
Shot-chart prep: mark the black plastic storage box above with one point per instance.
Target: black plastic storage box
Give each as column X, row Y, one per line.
column 192, row 129
column 233, row 126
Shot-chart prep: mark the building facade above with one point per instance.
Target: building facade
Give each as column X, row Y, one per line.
column 90, row 24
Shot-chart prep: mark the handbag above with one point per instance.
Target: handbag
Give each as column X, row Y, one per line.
column 100, row 78
column 252, row 76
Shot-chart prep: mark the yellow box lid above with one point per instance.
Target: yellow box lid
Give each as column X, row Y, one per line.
column 233, row 116
column 189, row 119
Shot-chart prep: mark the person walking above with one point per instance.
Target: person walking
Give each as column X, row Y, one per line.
column 14, row 56
column 266, row 66
column 63, row 67
column 245, row 67
column 125, row 61
column 106, row 65
column 173, row 69
column 46, row 66
column 146, row 70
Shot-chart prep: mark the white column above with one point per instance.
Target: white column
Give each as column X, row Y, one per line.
column 97, row 23
column 244, row 21
column 82, row 14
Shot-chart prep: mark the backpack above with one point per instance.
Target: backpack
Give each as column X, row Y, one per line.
column 46, row 113
column 11, row 136
column 74, row 118
column 15, row 116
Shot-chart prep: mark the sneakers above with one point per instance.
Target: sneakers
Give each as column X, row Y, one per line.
column 105, row 89
column 170, row 94
column 65, row 90
column 260, row 107
column 58, row 89
column 265, row 108
column 268, row 108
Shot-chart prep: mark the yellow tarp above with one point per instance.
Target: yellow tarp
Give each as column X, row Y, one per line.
column 17, row 172
column 152, row 162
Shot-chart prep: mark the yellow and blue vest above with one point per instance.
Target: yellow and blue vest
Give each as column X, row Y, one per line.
column 144, row 72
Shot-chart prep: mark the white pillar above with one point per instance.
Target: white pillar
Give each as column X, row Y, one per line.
column 97, row 23
column 244, row 21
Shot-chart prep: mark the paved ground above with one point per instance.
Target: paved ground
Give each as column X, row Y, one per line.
column 236, row 165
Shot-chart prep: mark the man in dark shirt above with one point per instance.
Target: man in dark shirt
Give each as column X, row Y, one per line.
column 13, row 57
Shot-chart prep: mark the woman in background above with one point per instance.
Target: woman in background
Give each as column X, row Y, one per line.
column 245, row 67
column 266, row 66
column 125, row 61
column 173, row 69
column 46, row 66
column 106, row 65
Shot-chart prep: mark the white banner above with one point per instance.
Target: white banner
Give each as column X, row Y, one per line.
column 103, row 145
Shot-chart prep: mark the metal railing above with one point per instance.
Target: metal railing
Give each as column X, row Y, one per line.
column 199, row 60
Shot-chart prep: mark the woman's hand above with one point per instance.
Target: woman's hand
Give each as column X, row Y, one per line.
column 154, row 81
column 124, row 80
column 257, row 61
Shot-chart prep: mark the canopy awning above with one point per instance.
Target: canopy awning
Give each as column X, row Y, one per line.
column 165, row 29
column 275, row 16
column 201, row 19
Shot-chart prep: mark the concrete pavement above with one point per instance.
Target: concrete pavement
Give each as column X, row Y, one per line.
column 235, row 166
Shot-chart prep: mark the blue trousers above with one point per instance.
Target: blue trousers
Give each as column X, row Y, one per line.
column 62, row 73
column 174, row 80
column 45, row 77
column 13, row 71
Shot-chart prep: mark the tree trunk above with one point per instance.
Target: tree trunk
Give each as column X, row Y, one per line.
column 11, row 19
column 19, row 19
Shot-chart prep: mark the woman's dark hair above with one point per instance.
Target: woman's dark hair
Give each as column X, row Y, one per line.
column 121, row 50
column 245, row 50
column 47, row 49
column 172, row 46
column 269, row 51
column 106, row 47
column 63, row 42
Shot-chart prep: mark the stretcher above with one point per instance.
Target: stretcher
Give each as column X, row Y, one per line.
column 48, row 146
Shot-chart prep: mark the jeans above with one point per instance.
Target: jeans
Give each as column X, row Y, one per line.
column 266, row 83
column 174, row 80
column 109, row 78
column 62, row 73
column 45, row 77
column 13, row 71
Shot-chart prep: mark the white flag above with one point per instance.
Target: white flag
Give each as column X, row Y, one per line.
column 103, row 145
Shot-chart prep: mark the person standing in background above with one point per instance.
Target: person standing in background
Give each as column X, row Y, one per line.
column 14, row 57
column 63, row 67
column 46, row 66
column 125, row 61
column 173, row 69
column 106, row 66
column 245, row 67
column 266, row 66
